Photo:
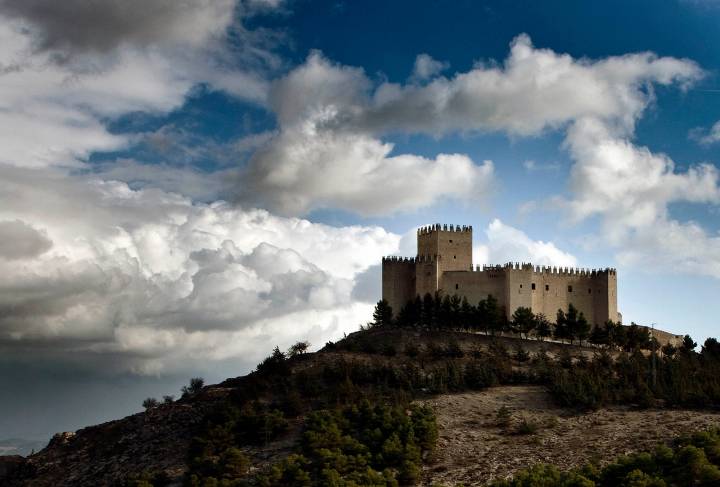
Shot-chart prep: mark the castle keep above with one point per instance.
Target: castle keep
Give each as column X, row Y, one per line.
column 444, row 263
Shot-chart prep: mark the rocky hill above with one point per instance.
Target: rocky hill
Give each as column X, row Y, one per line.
column 501, row 405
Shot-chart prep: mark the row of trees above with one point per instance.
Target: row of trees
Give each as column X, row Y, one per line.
column 453, row 313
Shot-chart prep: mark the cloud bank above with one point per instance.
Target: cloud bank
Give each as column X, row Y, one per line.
column 152, row 276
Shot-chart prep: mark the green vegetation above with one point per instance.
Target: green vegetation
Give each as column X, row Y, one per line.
column 503, row 417
column 358, row 445
column 150, row 403
column 686, row 378
column 356, row 424
column 693, row 460
column 445, row 312
column 196, row 385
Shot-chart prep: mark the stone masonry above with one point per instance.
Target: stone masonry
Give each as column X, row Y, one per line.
column 444, row 263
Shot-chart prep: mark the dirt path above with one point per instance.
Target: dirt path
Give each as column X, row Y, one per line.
column 474, row 448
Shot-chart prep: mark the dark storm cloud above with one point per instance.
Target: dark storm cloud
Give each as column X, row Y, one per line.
column 103, row 25
column 367, row 285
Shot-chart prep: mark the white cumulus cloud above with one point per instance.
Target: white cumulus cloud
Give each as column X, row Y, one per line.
column 316, row 161
column 426, row 67
column 509, row 244
column 150, row 275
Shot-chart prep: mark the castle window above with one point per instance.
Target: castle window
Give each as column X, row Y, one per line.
column 547, row 287
column 454, row 256
column 520, row 286
column 532, row 286
column 569, row 289
column 450, row 240
column 456, row 286
column 589, row 291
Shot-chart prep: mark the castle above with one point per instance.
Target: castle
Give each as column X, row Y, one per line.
column 444, row 263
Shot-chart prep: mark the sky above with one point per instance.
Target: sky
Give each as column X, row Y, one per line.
column 185, row 184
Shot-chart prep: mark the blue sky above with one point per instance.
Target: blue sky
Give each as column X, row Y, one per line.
column 185, row 185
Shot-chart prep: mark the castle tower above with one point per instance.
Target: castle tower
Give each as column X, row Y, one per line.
column 441, row 248
column 398, row 281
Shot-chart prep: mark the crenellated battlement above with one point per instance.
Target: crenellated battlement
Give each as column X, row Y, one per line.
column 437, row 227
column 394, row 259
column 525, row 266
column 574, row 271
column 428, row 258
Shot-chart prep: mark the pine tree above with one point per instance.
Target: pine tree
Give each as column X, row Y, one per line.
column 688, row 345
column 571, row 323
column 542, row 326
column 561, row 326
column 383, row 314
column 493, row 319
column 599, row 335
column 427, row 315
column 466, row 314
column 582, row 328
column 445, row 317
column 455, row 319
column 523, row 321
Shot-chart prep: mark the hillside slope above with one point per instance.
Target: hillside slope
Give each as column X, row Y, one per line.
column 474, row 448
column 466, row 378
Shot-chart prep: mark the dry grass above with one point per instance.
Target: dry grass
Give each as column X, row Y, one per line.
column 475, row 448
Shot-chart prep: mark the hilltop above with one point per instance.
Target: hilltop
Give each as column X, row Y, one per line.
column 483, row 408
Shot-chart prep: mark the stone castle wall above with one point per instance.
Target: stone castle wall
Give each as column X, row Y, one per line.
column 544, row 290
column 444, row 263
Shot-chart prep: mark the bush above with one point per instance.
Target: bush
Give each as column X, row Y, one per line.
column 527, row 427
column 503, row 417
column 521, row 355
column 299, row 348
column 481, row 374
column 275, row 364
column 150, row 402
column 389, row 350
column 412, row 350
column 196, row 385
column 453, row 350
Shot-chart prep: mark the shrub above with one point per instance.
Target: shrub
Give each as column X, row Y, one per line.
column 503, row 416
column 412, row 350
column 196, row 385
column 275, row 364
column 480, row 375
column 299, row 348
column 389, row 350
column 150, row 402
column 521, row 355
column 527, row 427
column 453, row 349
